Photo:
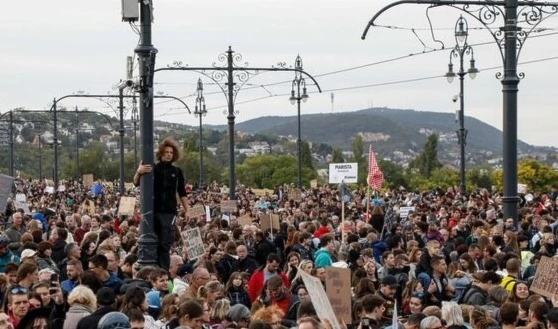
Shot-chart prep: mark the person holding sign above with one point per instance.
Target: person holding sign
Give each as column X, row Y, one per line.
column 168, row 181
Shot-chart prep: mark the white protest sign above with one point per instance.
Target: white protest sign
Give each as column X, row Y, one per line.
column 404, row 211
column 343, row 172
column 20, row 197
column 49, row 189
column 319, row 299
column 126, row 206
column 228, row 206
column 193, row 243
column 522, row 188
column 5, row 190
column 24, row 206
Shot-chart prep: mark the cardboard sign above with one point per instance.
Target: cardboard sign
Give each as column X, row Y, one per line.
column 314, row 183
column 267, row 221
column 22, row 205
column 545, row 282
column 49, row 189
column 343, row 173
column 338, row 287
column 196, row 211
column 295, row 195
column 127, row 206
column 6, row 183
column 228, row 206
column 522, row 188
column 320, row 300
column 128, row 186
column 262, row 192
column 244, row 220
column 88, row 180
column 404, row 211
column 193, row 243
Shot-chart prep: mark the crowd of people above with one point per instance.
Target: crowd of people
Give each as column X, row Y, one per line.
column 68, row 261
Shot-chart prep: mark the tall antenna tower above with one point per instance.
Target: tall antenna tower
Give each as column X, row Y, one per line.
column 332, row 102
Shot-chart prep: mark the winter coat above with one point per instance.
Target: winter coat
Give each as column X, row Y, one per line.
column 92, row 320
column 75, row 314
column 322, row 258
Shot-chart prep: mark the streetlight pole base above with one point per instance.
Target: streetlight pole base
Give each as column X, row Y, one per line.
column 147, row 249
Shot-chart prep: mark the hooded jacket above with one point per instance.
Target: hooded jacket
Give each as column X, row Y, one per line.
column 322, row 258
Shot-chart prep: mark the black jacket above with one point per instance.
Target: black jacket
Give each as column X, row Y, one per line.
column 263, row 248
column 247, row 265
column 58, row 253
column 168, row 180
column 92, row 320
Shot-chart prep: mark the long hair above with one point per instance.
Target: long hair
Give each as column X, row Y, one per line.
column 169, row 142
column 133, row 300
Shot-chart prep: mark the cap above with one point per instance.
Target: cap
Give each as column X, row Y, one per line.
column 185, row 269
column 114, row 320
column 28, row 253
column 106, row 296
column 153, row 299
column 390, row 280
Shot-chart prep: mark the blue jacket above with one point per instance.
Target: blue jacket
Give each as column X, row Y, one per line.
column 7, row 258
column 113, row 282
column 322, row 258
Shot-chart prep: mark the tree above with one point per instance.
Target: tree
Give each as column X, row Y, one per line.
column 266, row 171
column 358, row 156
column 394, row 174
column 538, row 176
column 427, row 161
column 337, row 156
column 306, row 155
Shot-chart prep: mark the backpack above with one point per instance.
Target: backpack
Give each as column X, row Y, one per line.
column 464, row 293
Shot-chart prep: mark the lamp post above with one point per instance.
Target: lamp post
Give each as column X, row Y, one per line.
column 77, row 144
column 200, row 111
column 135, row 119
column 11, row 145
column 461, row 50
column 296, row 97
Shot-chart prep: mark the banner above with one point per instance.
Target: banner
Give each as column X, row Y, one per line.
column 338, row 288
column 262, row 192
column 193, row 243
column 126, row 206
column 228, row 206
column 545, row 282
column 320, row 299
column 343, row 172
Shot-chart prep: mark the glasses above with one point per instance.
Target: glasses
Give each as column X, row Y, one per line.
column 417, row 295
column 18, row 290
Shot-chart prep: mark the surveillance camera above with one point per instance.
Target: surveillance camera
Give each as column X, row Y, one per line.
column 128, row 83
column 455, row 98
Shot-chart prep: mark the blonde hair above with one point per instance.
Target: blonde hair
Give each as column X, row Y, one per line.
column 211, row 286
column 452, row 314
column 84, row 296
column 220, row 309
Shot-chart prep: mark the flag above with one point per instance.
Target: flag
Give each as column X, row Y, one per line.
column 375, row 176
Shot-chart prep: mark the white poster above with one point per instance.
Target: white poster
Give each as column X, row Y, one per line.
column 343, row 173
column 404, row 211
column 193, row 243
column 319, row 299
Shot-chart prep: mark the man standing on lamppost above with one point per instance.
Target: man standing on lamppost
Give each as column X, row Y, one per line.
column 168, row 181
column 460, row 50
column 297, row 97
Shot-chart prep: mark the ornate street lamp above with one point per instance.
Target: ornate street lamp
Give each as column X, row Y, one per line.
column 296, row 97
column 200, row 111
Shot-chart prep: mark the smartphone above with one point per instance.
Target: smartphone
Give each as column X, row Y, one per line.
column 54, row 280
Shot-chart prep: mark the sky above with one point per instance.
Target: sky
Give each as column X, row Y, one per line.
column 55, row 48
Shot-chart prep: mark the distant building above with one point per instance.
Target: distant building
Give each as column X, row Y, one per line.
column 259, row 147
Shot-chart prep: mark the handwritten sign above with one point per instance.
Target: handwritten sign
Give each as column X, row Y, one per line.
column 21, row 197
column 244, row 220
column 314, row 183
column 522, row 188
column 228, row 206
column 268, row 221
column 338, row 287
column 196, row 211
column 193, row 243
column 295, row 195
column 127, row 206
column 262, row 192
column 88, row 180
column 404, row 211
column 319, row 299
column 545, row 282
column 6, row 183
column 22, row 205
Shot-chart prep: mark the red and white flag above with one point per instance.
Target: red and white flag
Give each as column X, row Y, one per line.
column 375, row 176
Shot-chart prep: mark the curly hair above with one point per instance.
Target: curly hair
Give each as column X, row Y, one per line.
column 169, row 142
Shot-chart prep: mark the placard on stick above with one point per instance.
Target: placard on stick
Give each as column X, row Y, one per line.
column 193, row 243
column 196, row 211
column 88, row 180
column 127, row 206
column 320, row 299
column 338, row 288
column 267, row 221
column 228, row 206
column 295, row 195
column 314, row 183
column 545, row 282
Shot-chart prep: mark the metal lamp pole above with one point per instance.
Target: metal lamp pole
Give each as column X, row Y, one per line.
column 135, row 120
column 297, row 97
column 200, row 111
column 461, row 50
column 77, row 144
